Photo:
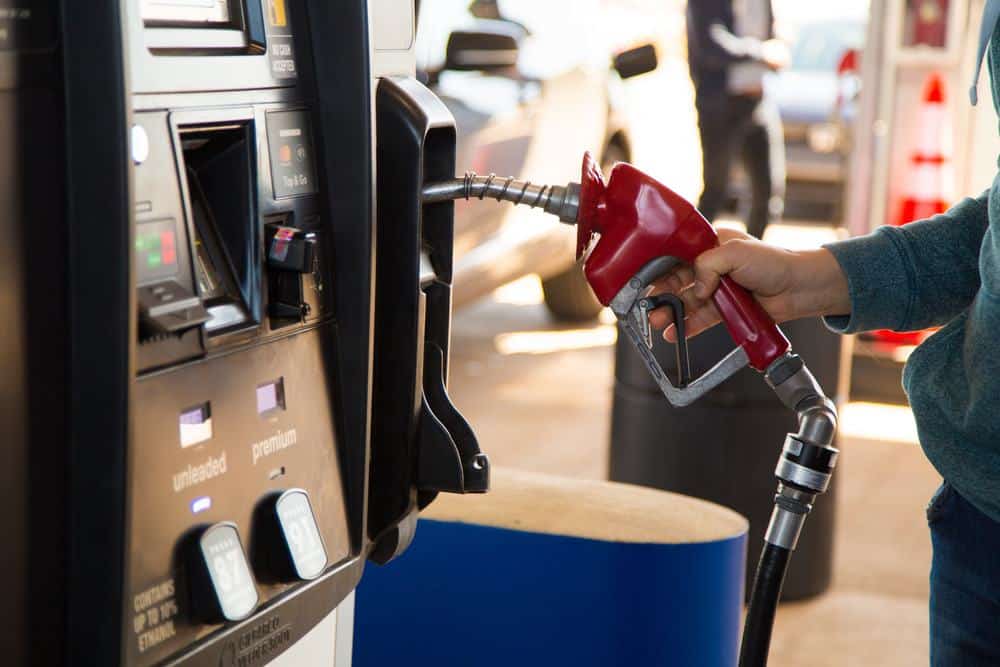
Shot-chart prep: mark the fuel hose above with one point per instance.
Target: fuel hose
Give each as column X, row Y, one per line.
column 763, row 604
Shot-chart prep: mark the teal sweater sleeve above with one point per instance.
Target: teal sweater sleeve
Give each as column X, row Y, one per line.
column 916, row 276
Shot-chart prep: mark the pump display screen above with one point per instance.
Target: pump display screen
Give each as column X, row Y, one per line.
column 156, row 250
column 186, row 11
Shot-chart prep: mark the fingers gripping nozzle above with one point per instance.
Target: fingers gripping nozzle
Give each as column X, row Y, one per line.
column 632, row 306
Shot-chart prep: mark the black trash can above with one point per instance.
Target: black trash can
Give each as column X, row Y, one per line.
column 724, row 447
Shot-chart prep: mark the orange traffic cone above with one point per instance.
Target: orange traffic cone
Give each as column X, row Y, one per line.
column 930, row 175
column 928, row 181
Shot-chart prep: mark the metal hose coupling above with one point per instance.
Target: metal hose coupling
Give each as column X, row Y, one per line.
column 808, row 457
column 561, row 201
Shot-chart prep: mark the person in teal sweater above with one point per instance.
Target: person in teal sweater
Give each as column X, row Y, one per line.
column 944, row 271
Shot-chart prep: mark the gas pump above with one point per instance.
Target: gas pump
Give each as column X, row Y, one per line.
column 188, row 193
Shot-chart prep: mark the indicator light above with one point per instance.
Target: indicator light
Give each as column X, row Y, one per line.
column 199, row 505
column 168, row 249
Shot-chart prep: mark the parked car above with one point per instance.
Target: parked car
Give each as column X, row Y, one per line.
column 817, row 102
column 529, row 94
column 817, row 112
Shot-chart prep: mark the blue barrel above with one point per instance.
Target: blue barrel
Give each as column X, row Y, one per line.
column 551, row 571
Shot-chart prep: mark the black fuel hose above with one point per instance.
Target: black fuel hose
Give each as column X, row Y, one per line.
column 767, row 585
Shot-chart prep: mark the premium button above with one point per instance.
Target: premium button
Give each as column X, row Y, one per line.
column 291, row 547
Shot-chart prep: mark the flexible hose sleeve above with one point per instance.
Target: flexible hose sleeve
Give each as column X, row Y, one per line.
column 560, row 201
column 763, row 604
column 492, row 187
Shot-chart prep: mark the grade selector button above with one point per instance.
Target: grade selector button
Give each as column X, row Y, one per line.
column 224, row 587
column 291, row 545
column 302, row 537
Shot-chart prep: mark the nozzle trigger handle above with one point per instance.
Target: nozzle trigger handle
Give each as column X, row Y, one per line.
column 749, row 325
column 651, row 303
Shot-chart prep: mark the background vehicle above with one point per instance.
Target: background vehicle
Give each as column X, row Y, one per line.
column 817, row 116
column 818, row 108
column 530, row 88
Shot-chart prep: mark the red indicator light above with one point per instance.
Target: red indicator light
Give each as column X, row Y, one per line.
column 168, row 249
column 285, row 153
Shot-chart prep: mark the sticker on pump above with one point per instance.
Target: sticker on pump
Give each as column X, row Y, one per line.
column 280, row 244
column 276, row 13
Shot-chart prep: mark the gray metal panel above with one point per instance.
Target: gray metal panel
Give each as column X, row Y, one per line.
column 393, row 30
column 345, row 632
column 174, row 73
column 869, row 133
column 327, row 644
column 32, row 340
column 13, row 390
column 318, row 647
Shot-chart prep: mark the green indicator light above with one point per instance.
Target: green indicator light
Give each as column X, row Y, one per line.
column 153, row 259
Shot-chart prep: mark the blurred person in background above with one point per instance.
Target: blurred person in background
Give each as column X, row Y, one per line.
column 731, row 47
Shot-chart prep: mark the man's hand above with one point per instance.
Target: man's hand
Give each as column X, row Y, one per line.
column 775, row 54
column 788, row 284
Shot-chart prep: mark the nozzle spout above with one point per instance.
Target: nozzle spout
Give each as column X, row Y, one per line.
column 561, row 201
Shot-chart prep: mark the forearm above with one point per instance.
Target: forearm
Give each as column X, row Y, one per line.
column 823, row 288
column 912, row 277
column 736, row 48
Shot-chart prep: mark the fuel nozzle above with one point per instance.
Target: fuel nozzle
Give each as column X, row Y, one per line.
column 643, row 230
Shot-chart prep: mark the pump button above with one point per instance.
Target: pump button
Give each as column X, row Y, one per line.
column 292, row 547
column 223, row 588
column 301, row 533
column 169, row 308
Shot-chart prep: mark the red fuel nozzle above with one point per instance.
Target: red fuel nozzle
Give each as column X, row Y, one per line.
column 639, row 220
column 643, row 227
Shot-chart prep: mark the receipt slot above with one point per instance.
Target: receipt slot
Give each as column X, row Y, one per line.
column 187, row 285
